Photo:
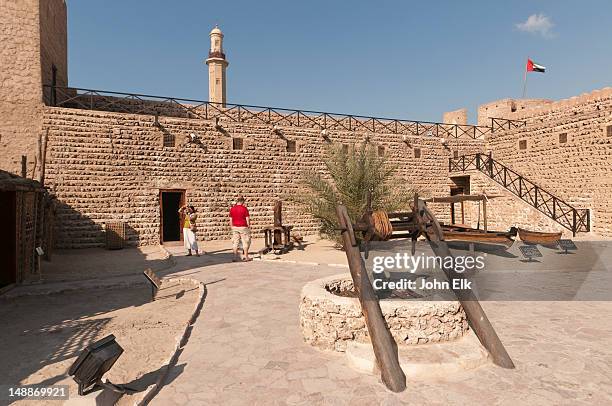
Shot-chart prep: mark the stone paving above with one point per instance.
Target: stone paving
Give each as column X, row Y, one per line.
column 246, row 348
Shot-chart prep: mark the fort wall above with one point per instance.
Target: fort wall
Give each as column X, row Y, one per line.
column 109, row 166
column 32, row 38
column 455, row 117
column 20, row 78
column 507, row 108
column 566, row 148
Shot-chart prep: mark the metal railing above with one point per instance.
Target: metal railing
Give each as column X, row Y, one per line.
column 133, row 103
column 575, row 220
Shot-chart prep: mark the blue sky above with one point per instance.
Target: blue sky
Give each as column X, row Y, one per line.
column 399, row 59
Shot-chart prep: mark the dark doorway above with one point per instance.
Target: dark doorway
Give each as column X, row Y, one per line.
column 8, row 248
column 460, row 186
column 170, row 202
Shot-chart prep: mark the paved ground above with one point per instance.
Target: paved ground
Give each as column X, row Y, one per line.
column 246, row 349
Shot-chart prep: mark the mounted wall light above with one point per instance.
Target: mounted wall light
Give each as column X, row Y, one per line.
column 218, row 126
column 406, row 140
column 276, row 130
column 325, row 134
column 443, row 142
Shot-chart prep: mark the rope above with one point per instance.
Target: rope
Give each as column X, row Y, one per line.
column 382, row 226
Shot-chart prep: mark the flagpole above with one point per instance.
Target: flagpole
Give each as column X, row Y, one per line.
column 525, row 82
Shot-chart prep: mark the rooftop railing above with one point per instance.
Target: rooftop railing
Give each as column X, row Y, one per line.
column 134, row 103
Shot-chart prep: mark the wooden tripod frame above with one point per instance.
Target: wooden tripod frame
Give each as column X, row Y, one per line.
column 385, row 348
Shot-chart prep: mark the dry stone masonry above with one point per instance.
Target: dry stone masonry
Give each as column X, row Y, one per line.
column 107, row 166
column 329, row 321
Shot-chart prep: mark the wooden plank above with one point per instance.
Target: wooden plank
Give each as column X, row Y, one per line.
column 385, row 348
column 475, row 314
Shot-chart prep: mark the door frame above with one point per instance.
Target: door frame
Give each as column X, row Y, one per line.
column 161, row 212
column 457, row 190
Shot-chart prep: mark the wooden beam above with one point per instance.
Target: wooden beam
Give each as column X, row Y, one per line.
column 385, row 348
column 24, row 166
column 475, row 314
column 484, row 214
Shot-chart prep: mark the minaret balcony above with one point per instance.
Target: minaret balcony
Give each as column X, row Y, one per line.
column 216, row 54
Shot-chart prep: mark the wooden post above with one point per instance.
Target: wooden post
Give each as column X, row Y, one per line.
column 484, row 213
column 278, row 222
column 24, row 166
column 43, row 162
column 475, row 314
column 385, row 348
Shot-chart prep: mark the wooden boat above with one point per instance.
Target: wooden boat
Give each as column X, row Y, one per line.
column 494, row 239
column 538, row 237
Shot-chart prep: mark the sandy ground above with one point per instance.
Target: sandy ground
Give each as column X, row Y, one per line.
column 97, row 263
column 42, row 335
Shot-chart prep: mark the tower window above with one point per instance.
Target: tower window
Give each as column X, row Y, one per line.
column 291, row 146
column 455, row 154
column 609, row 131
column 417, row 152
column 381, row 150
column 237, row 143
column 523, row 144
column 562, row 138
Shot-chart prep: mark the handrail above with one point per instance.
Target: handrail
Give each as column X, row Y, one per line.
column 190, row 108
column 575, row 220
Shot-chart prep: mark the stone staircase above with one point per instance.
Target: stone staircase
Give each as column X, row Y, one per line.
column 571, row 218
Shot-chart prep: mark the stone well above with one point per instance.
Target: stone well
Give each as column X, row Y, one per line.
column 330, row 321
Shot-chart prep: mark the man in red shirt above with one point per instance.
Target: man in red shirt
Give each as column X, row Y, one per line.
column 240, row 224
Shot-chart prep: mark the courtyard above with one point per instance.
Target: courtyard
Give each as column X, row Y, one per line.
column 238, row 203
column 246, row 347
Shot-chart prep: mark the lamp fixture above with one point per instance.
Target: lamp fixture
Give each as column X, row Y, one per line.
column 325, row 134
column 218, row 126
column 276, row 130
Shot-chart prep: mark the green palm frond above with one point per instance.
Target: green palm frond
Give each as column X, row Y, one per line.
column 347, row 177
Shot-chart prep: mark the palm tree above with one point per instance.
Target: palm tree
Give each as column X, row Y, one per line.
column 350, row 174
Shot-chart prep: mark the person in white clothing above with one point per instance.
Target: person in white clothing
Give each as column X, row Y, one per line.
column 190, row 229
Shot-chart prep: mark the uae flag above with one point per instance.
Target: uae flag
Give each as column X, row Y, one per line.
column 534, row 67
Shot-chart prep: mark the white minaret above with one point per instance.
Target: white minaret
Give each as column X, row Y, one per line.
column 216, row 68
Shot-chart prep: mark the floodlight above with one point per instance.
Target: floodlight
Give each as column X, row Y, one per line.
column 93, row 363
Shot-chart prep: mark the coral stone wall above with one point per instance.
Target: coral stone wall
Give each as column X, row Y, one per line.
column 568, row 152
column 505, row 210
column 508, row 109
column 20, row 79
column 53, row 42
column 455, row 117
column 330, row 322
column 106, row 166
column 32, row 38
